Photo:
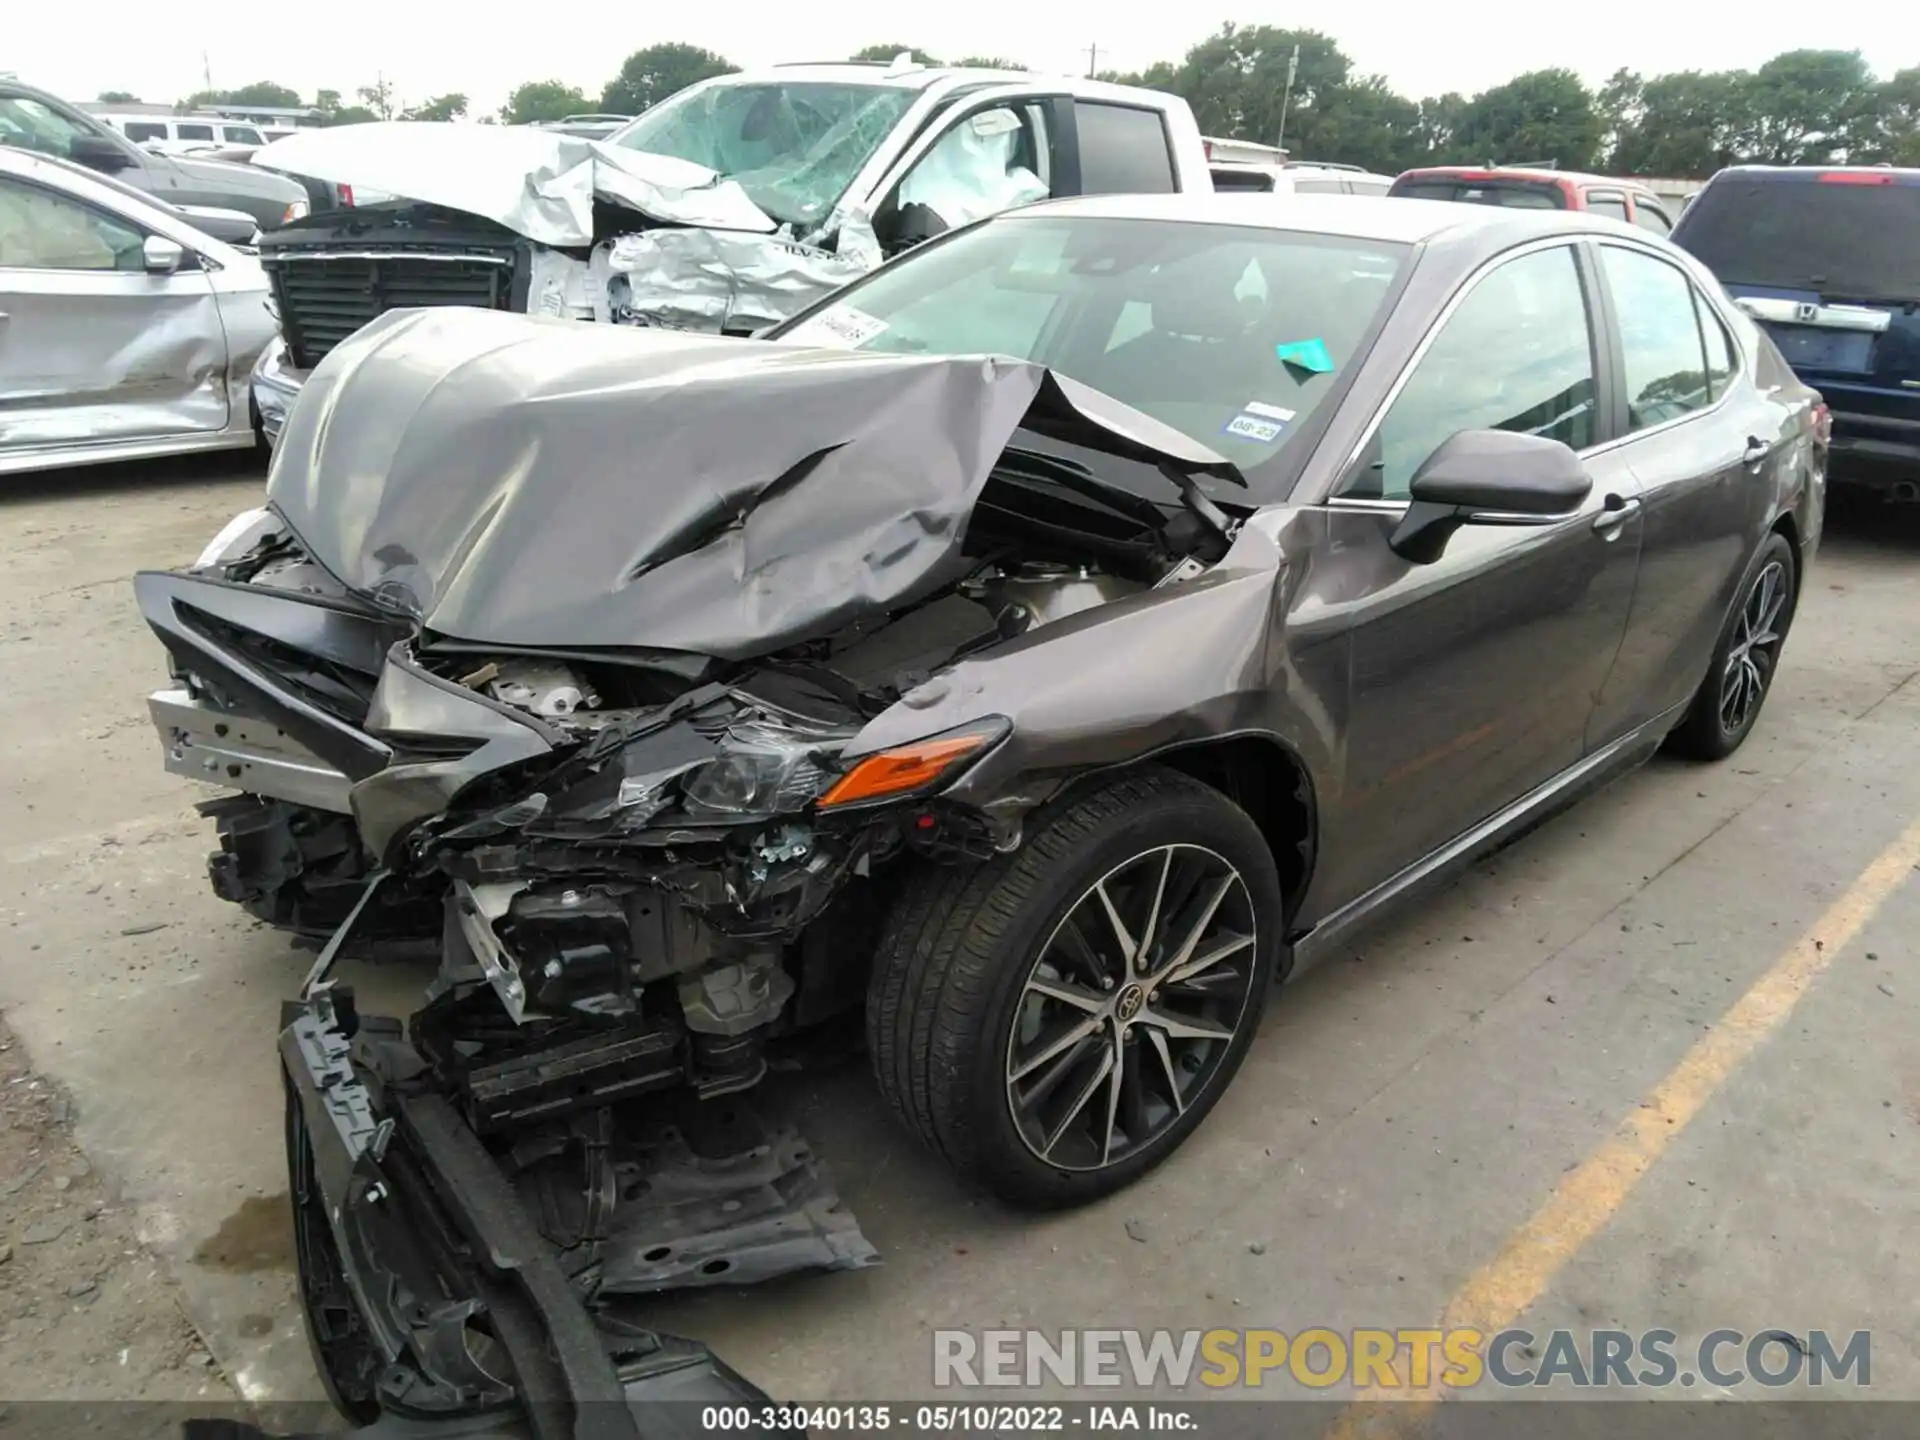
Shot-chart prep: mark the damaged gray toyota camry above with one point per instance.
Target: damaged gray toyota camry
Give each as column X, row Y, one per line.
column 1039, row 648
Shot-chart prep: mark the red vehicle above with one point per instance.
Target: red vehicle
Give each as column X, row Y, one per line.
column 1530, row 189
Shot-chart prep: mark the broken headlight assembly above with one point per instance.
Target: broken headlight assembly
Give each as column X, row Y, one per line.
column 759, row 766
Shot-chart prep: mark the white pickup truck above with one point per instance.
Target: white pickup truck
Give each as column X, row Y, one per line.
column 725, row 208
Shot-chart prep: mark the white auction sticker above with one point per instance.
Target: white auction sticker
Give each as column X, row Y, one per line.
column 840, row 326
column 1259, row 421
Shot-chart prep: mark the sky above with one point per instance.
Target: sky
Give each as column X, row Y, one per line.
column 482, row 49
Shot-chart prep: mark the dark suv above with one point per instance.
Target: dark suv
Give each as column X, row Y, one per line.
column 1828, row 261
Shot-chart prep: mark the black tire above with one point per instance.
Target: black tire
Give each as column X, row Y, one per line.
column 962, row 944
column 1709, row 731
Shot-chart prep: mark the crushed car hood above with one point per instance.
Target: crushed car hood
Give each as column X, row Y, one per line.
column 522, row 481
column 537, row 183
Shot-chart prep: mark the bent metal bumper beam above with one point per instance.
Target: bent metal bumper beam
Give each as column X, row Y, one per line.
column 425, row 1235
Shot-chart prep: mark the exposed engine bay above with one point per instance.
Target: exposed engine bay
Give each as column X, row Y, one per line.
column 646, row 873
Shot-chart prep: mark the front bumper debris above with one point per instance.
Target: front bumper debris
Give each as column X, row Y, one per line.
column 204, row 743
column 276, row 385
column 435, row 1292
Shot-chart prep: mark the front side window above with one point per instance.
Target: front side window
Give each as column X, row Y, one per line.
column 240, row 135
column 1232, row 335
column 1516, row 354
column 794, row 147
column 40, row 230
column 1666, row 368
column 1318, row 187
column 1123, row 150
column 143, row 130
column 195, row 132
column 988, row 162
column 27, row 124
column 1614, row 207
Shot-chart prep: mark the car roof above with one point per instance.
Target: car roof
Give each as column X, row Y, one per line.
column 1897, row 174
column 927, row 77
column 1400, row 221
column 1519, row 172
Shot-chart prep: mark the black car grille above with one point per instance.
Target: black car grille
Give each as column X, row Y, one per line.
column 323, row 298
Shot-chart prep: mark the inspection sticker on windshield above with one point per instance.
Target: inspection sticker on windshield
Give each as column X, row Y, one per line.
column 840, row 327
column 1265, row 423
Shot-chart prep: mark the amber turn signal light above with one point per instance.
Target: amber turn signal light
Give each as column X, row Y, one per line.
column 907, row 768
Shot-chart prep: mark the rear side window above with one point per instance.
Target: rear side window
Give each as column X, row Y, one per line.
column 1650, row 217
column 194, row 132
column 1319, row 187
column 1249, row 180
column 1720, row 353
column 1369, row 187
column 1517, row 195
column 1666, row 367
column 1614, row 207
column 138, row 130
column 1848, row 239
column 1123, row 150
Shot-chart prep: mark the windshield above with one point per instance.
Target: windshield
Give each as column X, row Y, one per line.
column 1514, row 194
column 1844, row 240
column 1230, row 334
column 794, row 148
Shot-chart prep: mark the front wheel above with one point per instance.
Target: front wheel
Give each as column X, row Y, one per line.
column 1056, row 1022
column 1741, row 673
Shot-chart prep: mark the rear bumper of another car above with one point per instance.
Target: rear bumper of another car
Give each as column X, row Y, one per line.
column 1875, row 452
column 276, row 385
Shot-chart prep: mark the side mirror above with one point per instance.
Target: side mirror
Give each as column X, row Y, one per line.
column 162, row 256
column 98, row 152
column 1489, row 477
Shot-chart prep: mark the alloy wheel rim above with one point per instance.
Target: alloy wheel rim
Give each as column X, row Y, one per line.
column 1756, row 645
column 1129, row 1009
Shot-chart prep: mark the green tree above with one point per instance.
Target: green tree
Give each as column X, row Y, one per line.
column 1363, row 122
column 1808, row 107
column 1436, row 129
column 649, row 76
column 542, row 100
column 885, row 53
column 261, row 92
column 1893, row 134
column 380, row 98
column 118, row 97
column 1620, row 106
column 1689, row 125
column 1544, row 116
column 450, row 106
column 988, row 62
column 1236, row 80
column 1160, row 75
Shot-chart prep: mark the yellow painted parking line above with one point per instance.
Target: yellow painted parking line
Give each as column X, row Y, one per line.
column 1589, row 1196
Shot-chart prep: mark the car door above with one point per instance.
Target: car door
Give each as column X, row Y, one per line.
column 93, row 347
column 1698, row 439
column 1472, row 678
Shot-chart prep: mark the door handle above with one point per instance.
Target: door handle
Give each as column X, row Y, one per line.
column 1756, row 450
column 1616, row 514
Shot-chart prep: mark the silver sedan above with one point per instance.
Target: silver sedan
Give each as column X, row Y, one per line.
column 125, row 331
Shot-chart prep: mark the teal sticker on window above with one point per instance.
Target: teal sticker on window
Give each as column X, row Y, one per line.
column 1309, row 355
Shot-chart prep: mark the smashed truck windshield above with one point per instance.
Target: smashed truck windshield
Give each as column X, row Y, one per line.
column 794, row 148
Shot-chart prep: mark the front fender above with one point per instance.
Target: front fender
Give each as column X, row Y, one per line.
column 1189, row 662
